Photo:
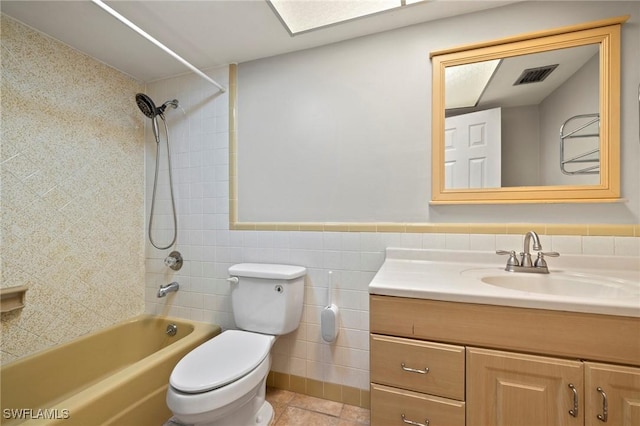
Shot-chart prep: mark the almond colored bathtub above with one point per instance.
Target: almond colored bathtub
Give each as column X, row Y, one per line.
column 116, row 376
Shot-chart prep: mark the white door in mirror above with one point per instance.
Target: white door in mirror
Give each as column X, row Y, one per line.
column 472, row 150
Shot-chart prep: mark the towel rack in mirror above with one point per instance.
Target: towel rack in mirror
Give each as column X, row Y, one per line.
column 581, row 162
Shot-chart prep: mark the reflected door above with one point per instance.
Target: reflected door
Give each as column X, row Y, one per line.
column 473, row 150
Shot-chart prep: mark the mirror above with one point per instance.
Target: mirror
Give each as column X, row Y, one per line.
column 532, row 118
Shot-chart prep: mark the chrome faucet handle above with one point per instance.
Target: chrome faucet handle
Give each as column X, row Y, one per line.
column 513, row 259
column 540, row 262
column 174, row 260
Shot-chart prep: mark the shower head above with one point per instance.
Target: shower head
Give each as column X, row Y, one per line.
column 146, row 105
column 149, row 108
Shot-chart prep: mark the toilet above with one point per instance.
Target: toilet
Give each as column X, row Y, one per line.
column 223, row 381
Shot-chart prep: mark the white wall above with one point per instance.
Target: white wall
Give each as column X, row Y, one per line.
column 521, row 146
column 341, row 132
column 334, row 134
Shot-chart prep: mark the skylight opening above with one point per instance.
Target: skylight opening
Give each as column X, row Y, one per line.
column 300, row 16
column 466, row 83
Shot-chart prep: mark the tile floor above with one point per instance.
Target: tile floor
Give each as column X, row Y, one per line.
column 293, row 409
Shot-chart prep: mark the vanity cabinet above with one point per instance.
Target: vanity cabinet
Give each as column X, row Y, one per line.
column 612, row 394
column 495, row 365
column 507, row 388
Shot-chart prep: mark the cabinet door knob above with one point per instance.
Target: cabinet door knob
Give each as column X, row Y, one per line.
column 414, row 370
column 410, row 422
column 605, row 406
column 574, row 411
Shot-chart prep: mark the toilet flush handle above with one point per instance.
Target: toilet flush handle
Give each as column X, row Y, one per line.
column 233, row 280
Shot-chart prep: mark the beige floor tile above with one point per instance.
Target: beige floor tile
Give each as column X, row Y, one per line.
column 355, row 414
column 344, row 422
column 279, row 395
column 294, row 416
column 316, row 404
column 293, row 409
column 278, row 409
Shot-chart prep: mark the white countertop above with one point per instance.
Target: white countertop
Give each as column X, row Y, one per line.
column 451, row 275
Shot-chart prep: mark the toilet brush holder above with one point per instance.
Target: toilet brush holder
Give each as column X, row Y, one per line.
column 329, row 323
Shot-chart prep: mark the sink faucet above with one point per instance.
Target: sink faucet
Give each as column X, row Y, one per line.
column 167, row 288
column 526, row 254
column 525, row 264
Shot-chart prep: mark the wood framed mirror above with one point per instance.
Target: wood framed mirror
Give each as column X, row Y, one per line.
column 533, row 118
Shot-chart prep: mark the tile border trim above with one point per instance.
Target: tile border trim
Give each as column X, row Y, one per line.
column 616, row 230
column 319, row 389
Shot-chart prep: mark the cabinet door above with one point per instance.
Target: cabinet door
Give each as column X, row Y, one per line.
column 617, row 401
column 508, row 389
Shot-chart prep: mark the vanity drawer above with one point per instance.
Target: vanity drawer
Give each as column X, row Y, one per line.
column 445, row 364
column 389, row 404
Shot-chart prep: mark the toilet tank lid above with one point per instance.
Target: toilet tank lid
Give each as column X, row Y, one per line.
column 267, row 270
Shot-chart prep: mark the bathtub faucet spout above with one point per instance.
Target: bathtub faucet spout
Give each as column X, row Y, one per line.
column 167, row 288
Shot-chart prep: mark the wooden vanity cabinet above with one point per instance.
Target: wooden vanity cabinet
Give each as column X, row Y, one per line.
column 612, row 389
column 507, row 388
column 521, row 366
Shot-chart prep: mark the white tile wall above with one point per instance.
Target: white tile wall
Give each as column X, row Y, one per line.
column 200, row 141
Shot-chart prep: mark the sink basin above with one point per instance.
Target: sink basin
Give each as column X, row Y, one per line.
column 559, row 284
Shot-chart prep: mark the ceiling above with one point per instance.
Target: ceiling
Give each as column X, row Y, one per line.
column 502, row 92
column 205, row 33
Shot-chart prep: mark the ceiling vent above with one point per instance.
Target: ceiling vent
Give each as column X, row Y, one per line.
column 535, row 75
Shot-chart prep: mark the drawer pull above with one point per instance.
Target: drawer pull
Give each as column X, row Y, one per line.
column 574, row 411
column 413, row 370
column 605, row 406
column 410, row 422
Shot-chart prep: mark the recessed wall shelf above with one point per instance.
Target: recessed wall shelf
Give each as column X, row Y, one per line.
column 12, row 298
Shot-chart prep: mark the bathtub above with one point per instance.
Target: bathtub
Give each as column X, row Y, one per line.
column 116, row 376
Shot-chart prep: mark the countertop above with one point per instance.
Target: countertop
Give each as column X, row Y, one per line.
column 452, row 275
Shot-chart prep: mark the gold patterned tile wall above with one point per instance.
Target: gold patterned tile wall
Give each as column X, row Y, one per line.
column 71, row 192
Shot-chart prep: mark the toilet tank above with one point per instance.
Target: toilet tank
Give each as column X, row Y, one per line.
column 267, row 298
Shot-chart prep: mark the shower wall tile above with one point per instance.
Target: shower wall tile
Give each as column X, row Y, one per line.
column 72, row 194
column 209, row 247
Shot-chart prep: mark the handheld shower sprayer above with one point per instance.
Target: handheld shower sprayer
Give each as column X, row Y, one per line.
column 148, row 107
column 150, row 110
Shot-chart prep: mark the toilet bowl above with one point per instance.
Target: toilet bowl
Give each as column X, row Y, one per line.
column 223, row 381
column 239, row 363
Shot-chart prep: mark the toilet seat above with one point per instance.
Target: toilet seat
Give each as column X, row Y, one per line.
column 192, row 408
column 222, row 360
